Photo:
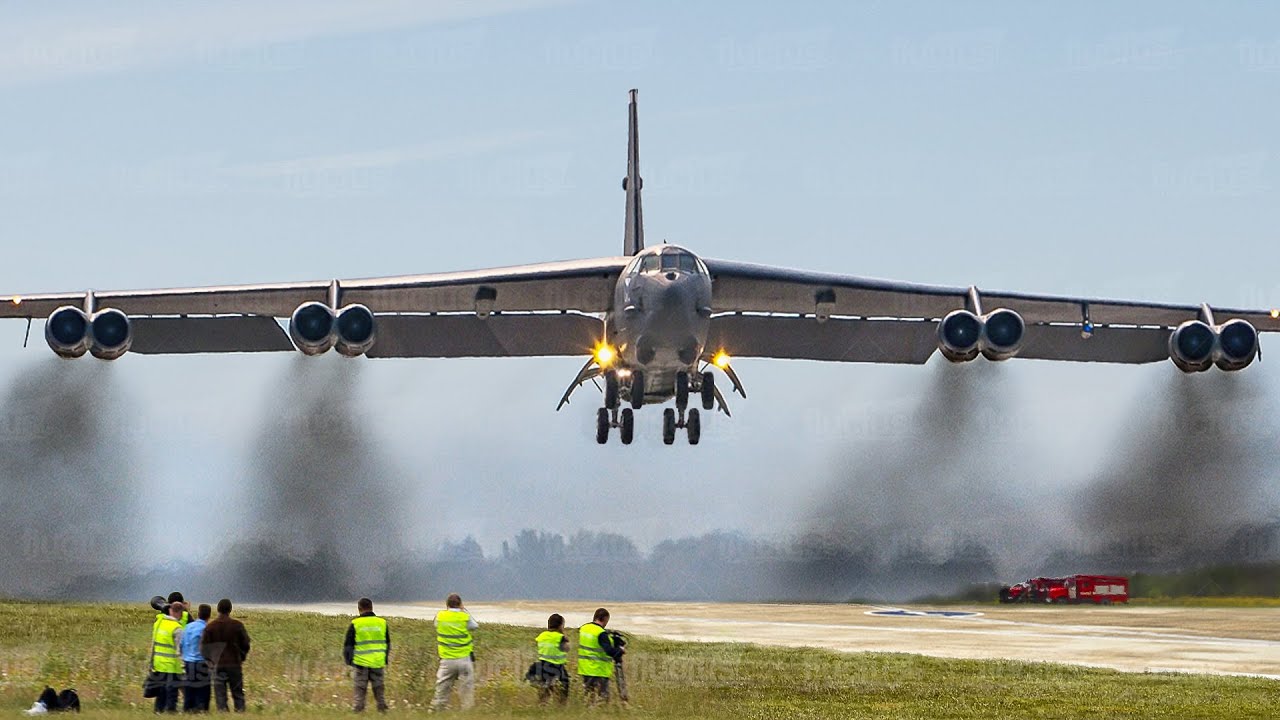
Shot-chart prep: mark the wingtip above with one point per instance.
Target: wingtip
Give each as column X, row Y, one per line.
column 631, row 95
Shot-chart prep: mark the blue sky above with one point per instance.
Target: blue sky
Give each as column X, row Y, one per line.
column 1101, row 150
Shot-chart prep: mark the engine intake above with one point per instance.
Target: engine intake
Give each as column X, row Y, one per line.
column 312, row 328
column 356, row 330
column 67, row 332
column 1237, row 345
column 1191, row 346
column 1002, row 333
column 959, row 335
column 111, row 334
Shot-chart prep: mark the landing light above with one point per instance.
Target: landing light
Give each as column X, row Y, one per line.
column 604, row 354
column 18, row 301
column 1275, row 314
column 721, row 360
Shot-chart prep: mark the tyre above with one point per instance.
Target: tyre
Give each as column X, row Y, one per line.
column 708, row 391
column 693, row 426
column 668, row 426
column 637, row 389
column 627, row 427
column 682, row 390
column 602, row 426
column 611, row 390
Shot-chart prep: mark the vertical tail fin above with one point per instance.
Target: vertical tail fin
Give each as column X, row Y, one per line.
column 633, row 239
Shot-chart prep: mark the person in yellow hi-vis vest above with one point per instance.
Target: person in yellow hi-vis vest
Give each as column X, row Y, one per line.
column 596, row 655
column 166, row 660
column 548, row 673
column 367, row 648
column 455, row 642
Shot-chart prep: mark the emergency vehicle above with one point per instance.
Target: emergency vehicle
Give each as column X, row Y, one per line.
column 1096, row 589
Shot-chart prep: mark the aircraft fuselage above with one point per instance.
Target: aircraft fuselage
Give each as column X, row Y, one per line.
column 660, row 318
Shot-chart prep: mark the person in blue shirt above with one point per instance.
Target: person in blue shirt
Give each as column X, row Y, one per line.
column 195, row 683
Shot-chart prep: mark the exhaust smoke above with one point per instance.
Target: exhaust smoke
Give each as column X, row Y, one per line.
column 324, row 511
column 1187, row 483
column 70, row 504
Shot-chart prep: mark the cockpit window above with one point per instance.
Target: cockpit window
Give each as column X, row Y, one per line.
column 669, row 261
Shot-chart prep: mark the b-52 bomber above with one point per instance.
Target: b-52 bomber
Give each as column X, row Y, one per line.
column 654, row 324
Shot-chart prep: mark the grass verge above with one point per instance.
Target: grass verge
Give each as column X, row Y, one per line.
column 296, row 671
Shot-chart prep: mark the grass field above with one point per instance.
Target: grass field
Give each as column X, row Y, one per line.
column 1208, row 602
column 295, row 671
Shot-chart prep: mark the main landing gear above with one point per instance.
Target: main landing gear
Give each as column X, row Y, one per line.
column 613, row 415
column 624, row 420
column 690, row 421
column 682, row 417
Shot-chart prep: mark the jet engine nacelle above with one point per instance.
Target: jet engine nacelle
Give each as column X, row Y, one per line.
column 1237, row 345
column 67, row 332
column 111, row 334
column 312, row 327
column 1002, row 334
column 959, row 335
column 1191, row 346
column 356, row 330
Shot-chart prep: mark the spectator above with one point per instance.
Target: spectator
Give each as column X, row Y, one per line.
column 454, row 628
column 225, row 647
column 196, row 679
column 166, row 660
column 367, row 648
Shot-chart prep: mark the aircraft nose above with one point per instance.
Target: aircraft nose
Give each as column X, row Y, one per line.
column 675, row 292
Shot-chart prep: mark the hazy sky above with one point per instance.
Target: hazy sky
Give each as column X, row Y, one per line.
column 1108, row 149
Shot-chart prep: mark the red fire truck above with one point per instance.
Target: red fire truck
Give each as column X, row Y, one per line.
column 1096, row 589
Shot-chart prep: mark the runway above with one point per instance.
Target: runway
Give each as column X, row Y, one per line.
column 1225, row 641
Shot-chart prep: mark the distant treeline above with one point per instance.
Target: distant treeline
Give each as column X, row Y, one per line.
column 1252, row 580
column 717, row 566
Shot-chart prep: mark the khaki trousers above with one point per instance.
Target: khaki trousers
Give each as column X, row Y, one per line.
column 462, row 672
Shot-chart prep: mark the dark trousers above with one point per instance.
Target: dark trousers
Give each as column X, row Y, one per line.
column 167, row 699
column 552, row 679
column 364, row 679
column 596, row 689
column 196, row 686
column 228, row 677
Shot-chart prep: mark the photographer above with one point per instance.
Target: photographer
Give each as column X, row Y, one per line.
column 598, row 650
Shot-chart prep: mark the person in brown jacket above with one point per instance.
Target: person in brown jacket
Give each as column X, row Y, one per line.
column 225, row 646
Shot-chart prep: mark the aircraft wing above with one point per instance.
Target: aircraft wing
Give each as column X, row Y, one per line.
column 544, row 308
column 763, row 311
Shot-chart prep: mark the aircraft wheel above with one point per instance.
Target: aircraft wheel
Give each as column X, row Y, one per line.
column 708, row 391
column 668, row 426
column 602, row 426
column 627, row 428
column 611, row 390
column 637, row 389
column 682, row 390
column 693, row 426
